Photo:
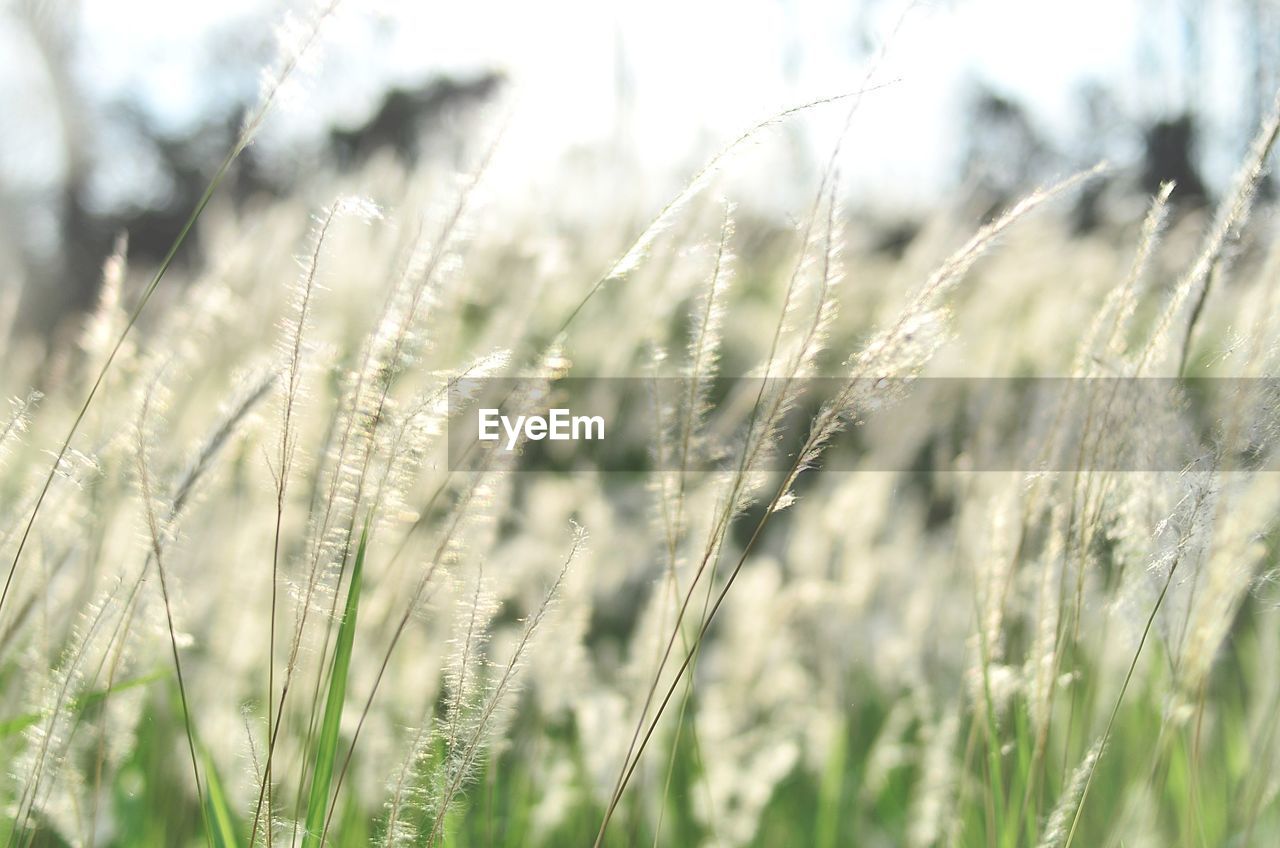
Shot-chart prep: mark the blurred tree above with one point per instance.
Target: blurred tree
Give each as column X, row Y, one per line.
column 407, row 115
column 1004, row 152
column 1170, row 153
column 63, row 282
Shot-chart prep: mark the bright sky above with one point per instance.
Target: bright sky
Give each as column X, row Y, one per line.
column 699, row 72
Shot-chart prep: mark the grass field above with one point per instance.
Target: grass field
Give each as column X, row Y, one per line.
column 246, row 600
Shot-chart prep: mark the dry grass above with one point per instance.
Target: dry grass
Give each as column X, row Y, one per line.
column 200, row 499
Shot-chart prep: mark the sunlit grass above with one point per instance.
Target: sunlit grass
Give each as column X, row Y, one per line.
column 249, row 603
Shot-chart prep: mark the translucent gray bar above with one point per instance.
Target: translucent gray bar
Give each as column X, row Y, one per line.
column 887, row 424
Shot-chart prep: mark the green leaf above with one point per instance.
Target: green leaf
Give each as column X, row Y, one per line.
column 327, row 742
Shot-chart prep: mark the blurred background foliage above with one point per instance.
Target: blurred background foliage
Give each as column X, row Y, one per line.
column 111, row 128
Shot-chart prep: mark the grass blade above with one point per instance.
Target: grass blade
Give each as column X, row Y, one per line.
column 222, row 823
column 327, row 741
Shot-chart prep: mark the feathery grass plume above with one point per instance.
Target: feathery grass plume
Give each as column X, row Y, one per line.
column 113, row 740
column 407, row 801
column 158, row 536
column 1259, row 356
column 249, row 130
column 995, row 575
column 891, row 351
column 245, row 398
column 651, row 675
column 1042, row 660
column 1231, row 215
column 1182, row 541
column 1122, row 301
column 759, row 438
column 203, row 457
column 680, row 434
column 397, row 339
column 778, row 397
column 1106, row 440
column 780, row 386
column 117, row 727
column 474, row 615
column 666, row 414
column 666, row 216
column 415, row 430
column 467, row 511
column 687, row 439
column 636, row 252
column 292, row 351
column 460, row 764
column 1060, row 827
column 639, row 249
column 703, row 352
column 109, row 318
column 78, row 475
column 19, row 420
column 297, row 39
column 421, row 784
column 48, row 739
column 1244, row 517
column 475, row 497
column 904, row 347
column 935, row 796
column 319, row 808
column 829, row 277
column 1194, row 511
column 779, row 392
column 292, row 343
column 359, row 416
column 388, row 351
column 811, row 343
column 822, row 429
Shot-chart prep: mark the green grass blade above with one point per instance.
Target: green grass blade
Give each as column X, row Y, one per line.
column 221, row 821
column 831, row 789
column 327, row 741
